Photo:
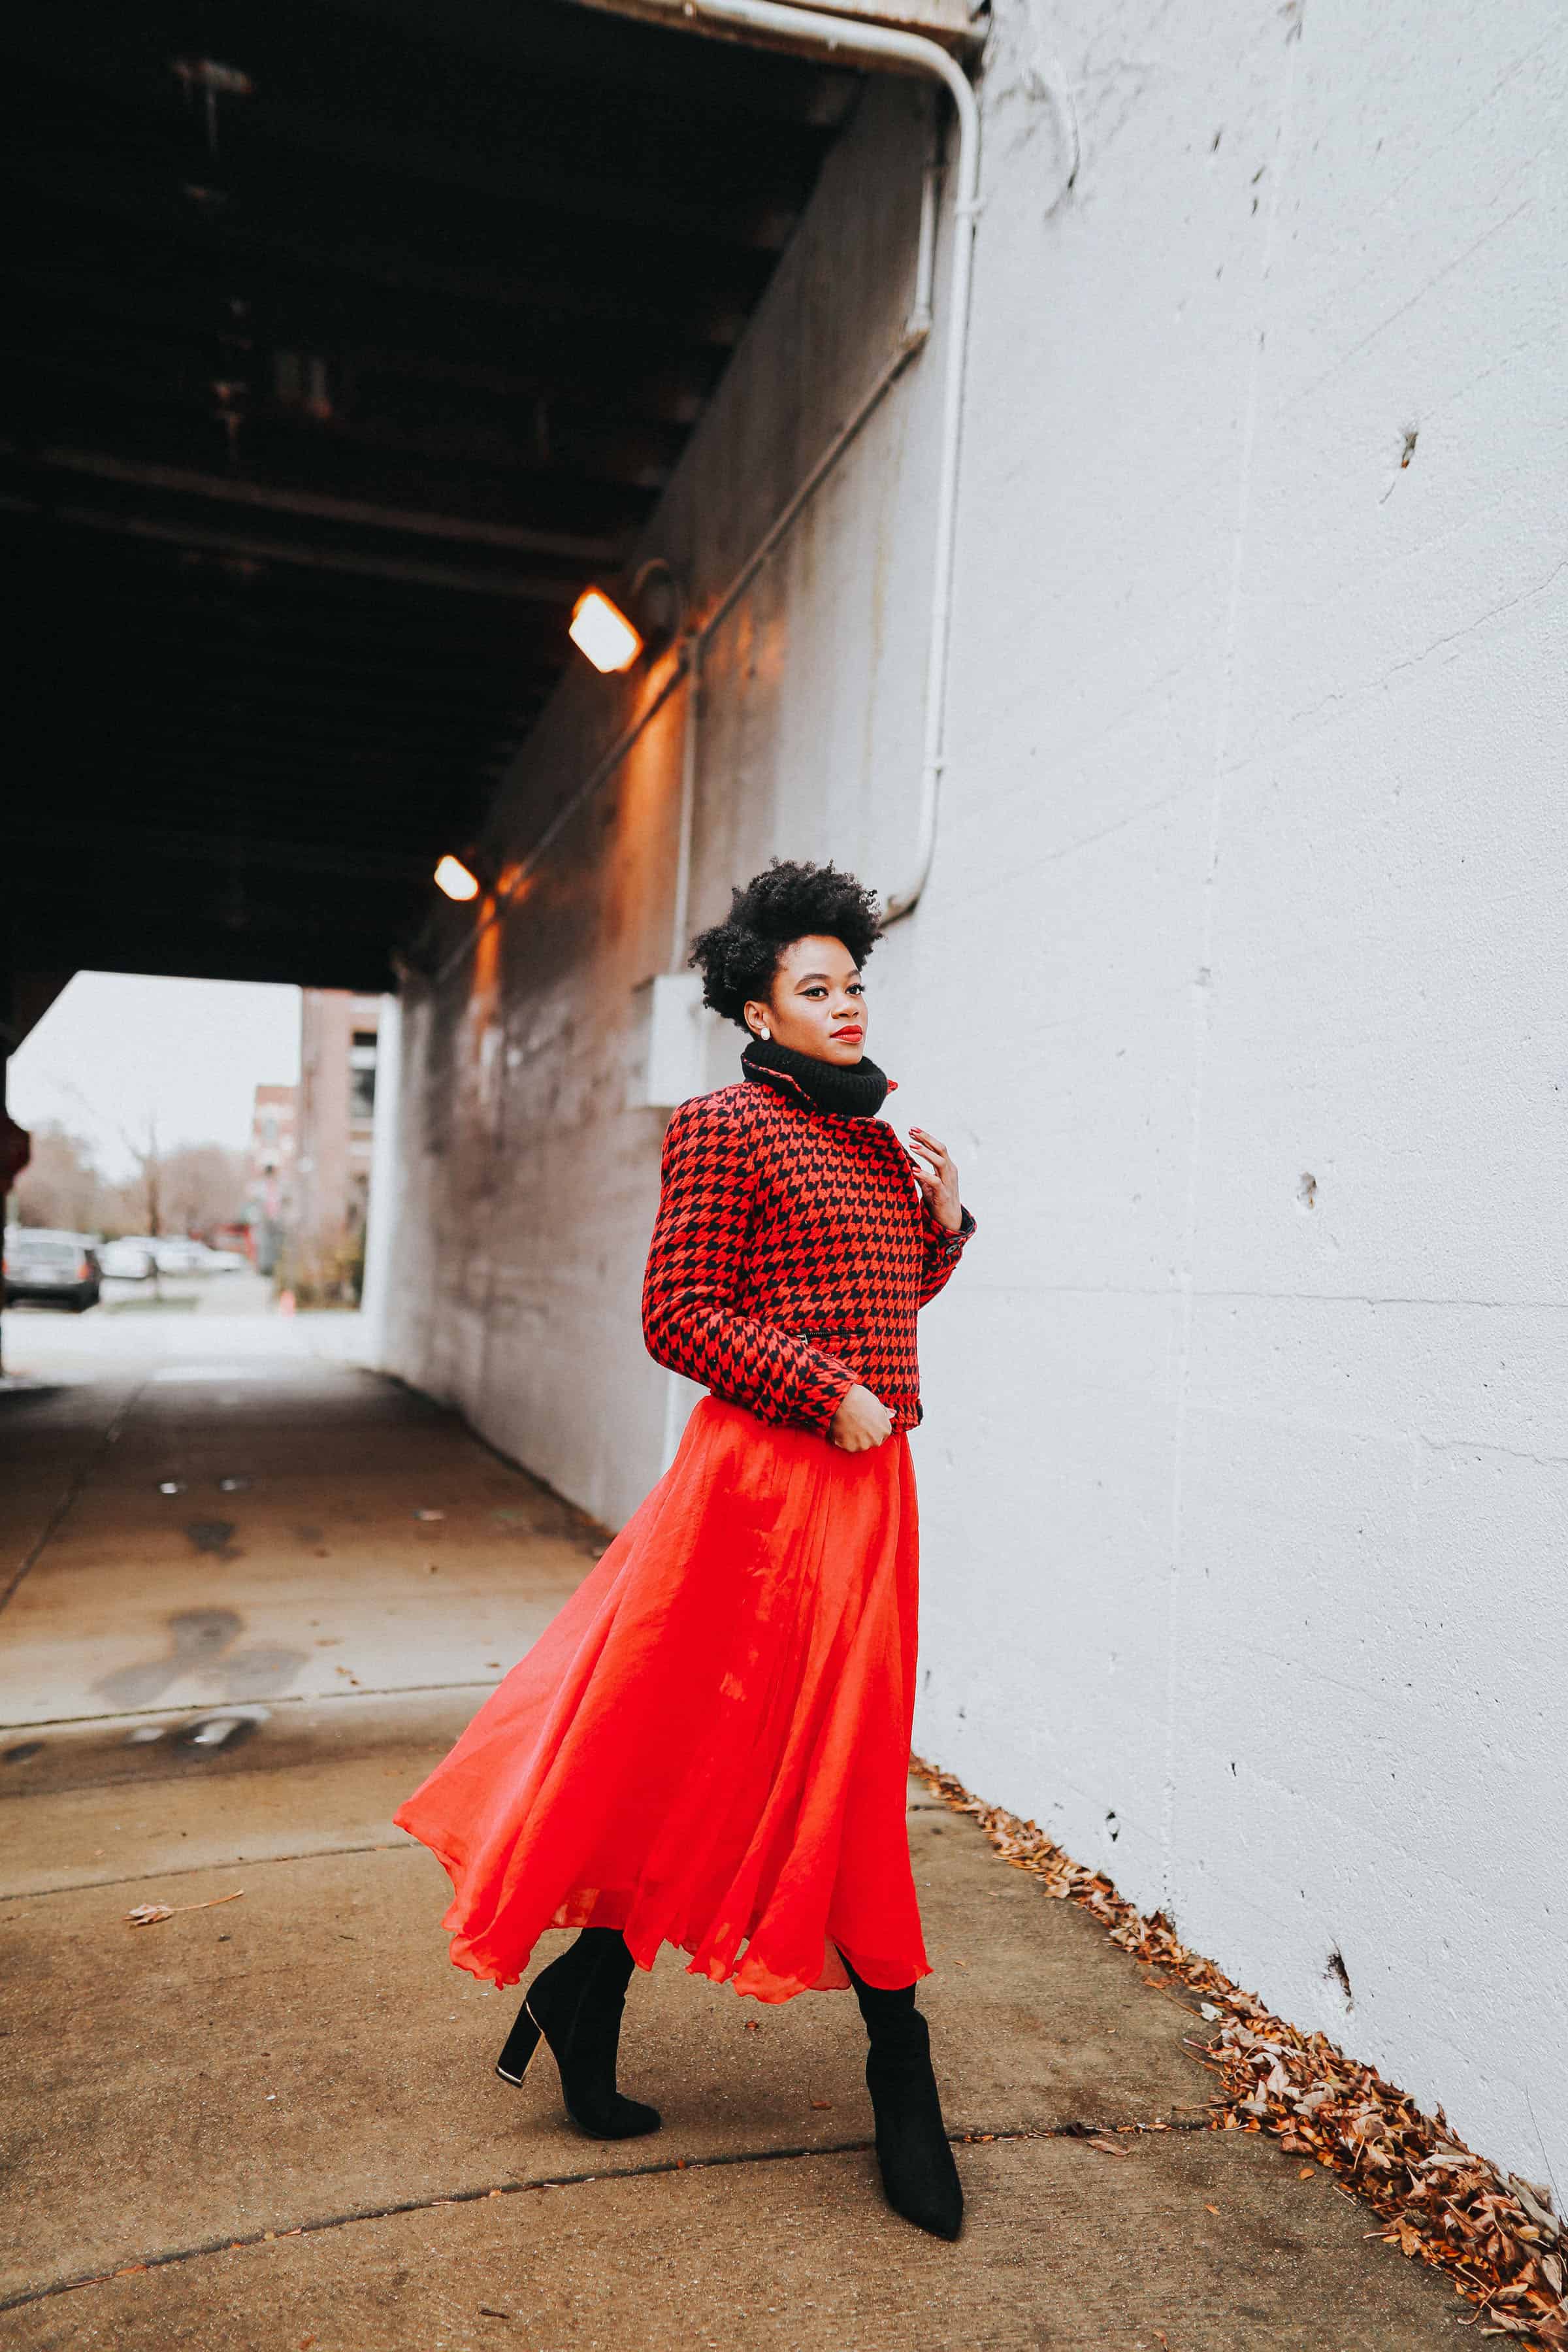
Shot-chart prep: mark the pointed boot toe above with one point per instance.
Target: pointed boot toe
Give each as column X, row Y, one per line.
column 921, row 2184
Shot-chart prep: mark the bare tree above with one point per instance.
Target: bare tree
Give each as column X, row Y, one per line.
column 61, row 1185
column 193, row 1188
column 203, row 1187
column 147, row 1186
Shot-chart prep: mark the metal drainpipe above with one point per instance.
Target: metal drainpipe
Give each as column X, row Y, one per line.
column 839, row 38
column 691, row 720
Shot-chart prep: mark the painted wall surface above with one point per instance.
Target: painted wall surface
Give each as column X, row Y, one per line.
column 1238, row 990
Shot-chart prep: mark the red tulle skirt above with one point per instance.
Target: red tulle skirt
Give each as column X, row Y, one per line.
column 709, row 1745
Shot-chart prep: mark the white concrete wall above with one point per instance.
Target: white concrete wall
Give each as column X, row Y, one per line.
column 382, row 1207
column 1239, row 987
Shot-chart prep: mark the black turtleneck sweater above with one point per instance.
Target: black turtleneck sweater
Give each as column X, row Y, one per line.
column 853, row 1089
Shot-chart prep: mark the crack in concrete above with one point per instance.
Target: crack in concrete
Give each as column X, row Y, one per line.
column 191, row 1766
column 170, row 2256
column 282, row 1698
column 198, row 1869
column 75, row 1486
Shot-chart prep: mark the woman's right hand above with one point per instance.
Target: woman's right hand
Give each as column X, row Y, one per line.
column 861, row 1421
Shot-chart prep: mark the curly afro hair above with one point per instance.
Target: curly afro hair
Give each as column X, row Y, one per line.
column 740, row 959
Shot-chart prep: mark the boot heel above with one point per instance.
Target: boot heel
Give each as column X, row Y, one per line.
column 521, row 2044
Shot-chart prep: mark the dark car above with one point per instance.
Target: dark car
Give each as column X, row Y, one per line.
column 59, row 1268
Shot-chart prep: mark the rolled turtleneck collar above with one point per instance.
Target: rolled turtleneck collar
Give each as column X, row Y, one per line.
column 853, row 1089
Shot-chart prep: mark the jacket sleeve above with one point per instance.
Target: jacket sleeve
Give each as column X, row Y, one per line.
column 942, row 1250
column 694, row 1270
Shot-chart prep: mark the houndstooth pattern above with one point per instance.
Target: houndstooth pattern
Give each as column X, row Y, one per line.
column 792, row 1249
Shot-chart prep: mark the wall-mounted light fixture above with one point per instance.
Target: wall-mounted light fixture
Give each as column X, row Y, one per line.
column 610, row 638
column 453, row 876
column 601, row 631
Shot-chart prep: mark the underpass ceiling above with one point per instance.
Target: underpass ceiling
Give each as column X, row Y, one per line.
column 345, row 341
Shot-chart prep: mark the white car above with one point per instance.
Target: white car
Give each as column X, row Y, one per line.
column 176, row 1253
column 225, row 1262
column 128, row 1261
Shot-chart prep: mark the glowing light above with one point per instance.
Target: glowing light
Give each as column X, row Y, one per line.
column 453, row 876
column 601, row 631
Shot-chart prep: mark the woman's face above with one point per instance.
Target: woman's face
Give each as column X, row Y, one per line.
column 817, row 1003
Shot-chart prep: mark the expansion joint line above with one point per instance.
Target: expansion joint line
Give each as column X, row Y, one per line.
column 173, row 2255
column 201, row 1869
column 269, row 1699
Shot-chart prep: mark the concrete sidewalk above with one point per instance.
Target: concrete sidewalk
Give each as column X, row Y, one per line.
column 228, row 1687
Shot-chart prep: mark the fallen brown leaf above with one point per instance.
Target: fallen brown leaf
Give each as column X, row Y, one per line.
column 1108, row 2147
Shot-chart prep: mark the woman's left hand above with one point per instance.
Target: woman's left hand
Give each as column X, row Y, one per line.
column 939, row 1181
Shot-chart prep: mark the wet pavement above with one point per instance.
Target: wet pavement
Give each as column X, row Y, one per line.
column 253, row 1593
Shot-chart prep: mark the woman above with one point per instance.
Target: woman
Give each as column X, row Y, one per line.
column 709, row 1747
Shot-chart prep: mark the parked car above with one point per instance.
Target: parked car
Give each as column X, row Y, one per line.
column 177, row 1253
column 60, row 1269
column 226, row 1261
column 127, row 1260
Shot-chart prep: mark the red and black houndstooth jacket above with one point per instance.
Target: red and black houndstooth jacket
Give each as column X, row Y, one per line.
column 792, row 1249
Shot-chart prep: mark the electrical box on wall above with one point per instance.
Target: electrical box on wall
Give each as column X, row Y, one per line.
column 669, row 1032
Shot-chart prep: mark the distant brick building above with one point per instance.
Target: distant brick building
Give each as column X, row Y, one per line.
column 336, row 1112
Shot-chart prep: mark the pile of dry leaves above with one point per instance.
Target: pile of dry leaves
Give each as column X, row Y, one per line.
column 1496, row 2236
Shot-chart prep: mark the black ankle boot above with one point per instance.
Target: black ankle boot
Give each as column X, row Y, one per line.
column 919, row 2175
column 577, row 2004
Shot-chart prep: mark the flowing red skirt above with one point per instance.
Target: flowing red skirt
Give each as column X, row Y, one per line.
column 708, row 1745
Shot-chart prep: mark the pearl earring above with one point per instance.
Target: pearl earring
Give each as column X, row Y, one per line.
column 765, row 1035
